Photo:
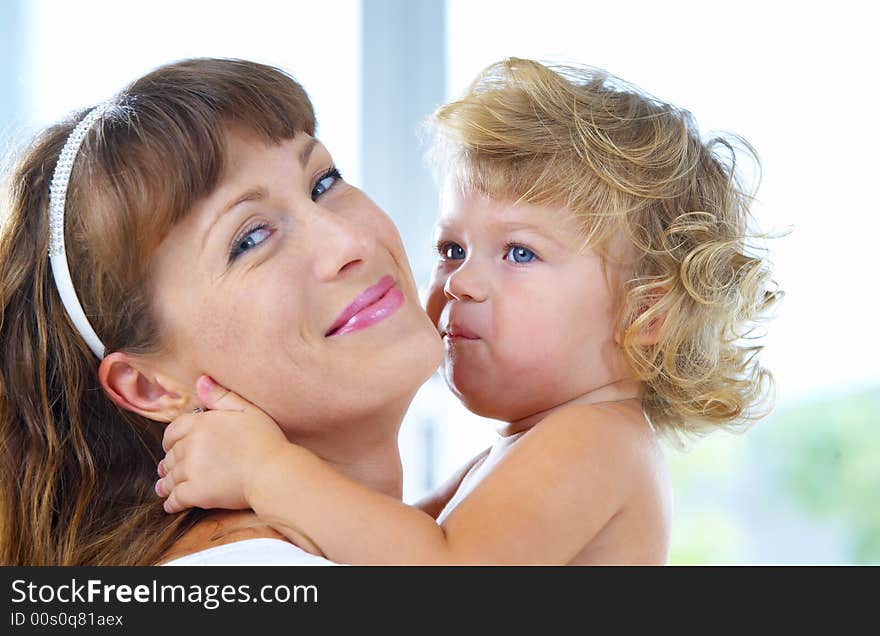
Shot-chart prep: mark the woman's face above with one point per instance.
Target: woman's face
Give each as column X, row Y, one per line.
column 292, row 288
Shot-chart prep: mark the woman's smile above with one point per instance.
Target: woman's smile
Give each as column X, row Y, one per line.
column 370, row 307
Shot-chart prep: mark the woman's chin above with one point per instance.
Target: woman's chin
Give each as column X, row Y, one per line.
column 423, row 352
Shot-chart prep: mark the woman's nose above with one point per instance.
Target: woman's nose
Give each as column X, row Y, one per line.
column 468, row 282
column 340, row 245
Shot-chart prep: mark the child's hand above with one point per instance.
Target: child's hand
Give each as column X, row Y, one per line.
column 211, row 457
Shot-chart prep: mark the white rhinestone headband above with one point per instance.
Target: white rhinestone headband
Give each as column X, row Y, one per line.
column 57, row 255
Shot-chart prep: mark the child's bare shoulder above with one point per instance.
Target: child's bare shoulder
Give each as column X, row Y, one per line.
column 616, row 418
column 601, row 460
column 611, row 433
column 615, row 459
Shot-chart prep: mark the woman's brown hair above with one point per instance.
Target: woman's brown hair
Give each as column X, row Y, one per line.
column 78, row 471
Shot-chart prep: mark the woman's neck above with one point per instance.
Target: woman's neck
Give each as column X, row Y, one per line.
column 366, row 450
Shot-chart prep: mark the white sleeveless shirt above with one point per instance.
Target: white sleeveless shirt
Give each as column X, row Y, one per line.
column 262, row 551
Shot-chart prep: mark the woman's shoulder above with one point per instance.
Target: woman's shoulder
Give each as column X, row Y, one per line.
column 260, row 551
column 236, row 538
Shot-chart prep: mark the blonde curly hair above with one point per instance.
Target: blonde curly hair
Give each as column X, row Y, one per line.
column 628, row 164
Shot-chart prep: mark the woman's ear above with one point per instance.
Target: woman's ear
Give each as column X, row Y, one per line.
column 135, row 385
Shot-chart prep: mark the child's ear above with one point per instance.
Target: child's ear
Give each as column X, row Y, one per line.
column 135, row 385
column 648, row 334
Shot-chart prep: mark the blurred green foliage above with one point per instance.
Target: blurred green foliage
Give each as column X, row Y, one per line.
column 704, row 530
column 814, row 463
column 827, row 456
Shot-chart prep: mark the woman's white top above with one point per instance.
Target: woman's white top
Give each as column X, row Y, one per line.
column 263, row 551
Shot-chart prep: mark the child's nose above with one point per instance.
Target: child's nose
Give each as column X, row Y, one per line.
column 467, row 283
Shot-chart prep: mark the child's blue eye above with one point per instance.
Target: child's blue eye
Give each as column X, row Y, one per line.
column 248, row 241
column 325, row 182
column 452, row 251
column 520, row 254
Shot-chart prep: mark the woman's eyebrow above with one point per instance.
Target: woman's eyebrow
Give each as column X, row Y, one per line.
column 258, row 192
column 306, row 152
column 251, row 194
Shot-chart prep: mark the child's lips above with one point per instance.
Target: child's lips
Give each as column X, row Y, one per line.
column 459, row 332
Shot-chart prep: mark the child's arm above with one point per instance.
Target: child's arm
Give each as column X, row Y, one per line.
column 556, row 488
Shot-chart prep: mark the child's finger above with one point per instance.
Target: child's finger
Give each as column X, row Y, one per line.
column 217, row 397
column 167, row 464
column 175, row 431
column 174, row 475
column 181, row 498
column 173, row 504
column 163, row 486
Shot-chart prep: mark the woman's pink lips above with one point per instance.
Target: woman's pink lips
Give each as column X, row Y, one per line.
column 373, row 305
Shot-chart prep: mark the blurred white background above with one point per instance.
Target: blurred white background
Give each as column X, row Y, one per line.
column 797, row 80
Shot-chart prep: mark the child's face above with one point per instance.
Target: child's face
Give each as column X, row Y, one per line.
column 526, row 315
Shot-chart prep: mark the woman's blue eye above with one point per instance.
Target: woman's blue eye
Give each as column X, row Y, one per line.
column 453, row 251
column 325, row 182
column 520, row 254
column 250, row 240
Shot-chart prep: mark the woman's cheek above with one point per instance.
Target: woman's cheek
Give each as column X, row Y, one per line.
column 436, row 298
